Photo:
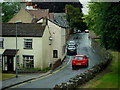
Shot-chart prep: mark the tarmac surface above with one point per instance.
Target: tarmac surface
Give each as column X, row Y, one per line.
column 22, row 78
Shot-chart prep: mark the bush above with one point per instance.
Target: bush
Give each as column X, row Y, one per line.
column 33, row 70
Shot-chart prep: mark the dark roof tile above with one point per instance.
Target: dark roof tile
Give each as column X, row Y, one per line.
column 39, row 13
column 23, row 30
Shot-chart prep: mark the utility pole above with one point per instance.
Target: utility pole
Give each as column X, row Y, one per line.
column 16, row 54
column 16, row 48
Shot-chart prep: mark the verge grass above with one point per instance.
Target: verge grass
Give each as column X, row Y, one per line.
column 110, row 79
column 7, row 76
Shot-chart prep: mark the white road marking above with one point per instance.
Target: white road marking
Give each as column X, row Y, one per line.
column 69, row 61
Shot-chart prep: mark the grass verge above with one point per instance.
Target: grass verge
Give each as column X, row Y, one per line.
column 7, row 76
column 109, row 78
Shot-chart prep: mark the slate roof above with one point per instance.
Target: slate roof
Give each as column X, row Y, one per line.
column 39, row 13
column 23, row 30
column 55, row 22
column 60, row 19
column 10, row 52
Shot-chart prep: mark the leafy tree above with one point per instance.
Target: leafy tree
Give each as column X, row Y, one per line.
column 104, row 20
column 57, row 7
column 74, row 17
column 9, row 10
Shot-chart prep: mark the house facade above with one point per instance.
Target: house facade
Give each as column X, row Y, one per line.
column 31, row 47
column 30, row 14
column 59, row 35
column 47, row 48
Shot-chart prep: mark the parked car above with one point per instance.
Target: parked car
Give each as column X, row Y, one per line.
column 71, row 50
column 71, row 43
column 86, row 31
column 74, row 32
column 79, row 60
column 78, row 31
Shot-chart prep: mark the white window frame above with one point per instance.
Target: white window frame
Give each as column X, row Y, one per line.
column 55, row 53
column 1, row 43
column 27, row 60
column 27, row 43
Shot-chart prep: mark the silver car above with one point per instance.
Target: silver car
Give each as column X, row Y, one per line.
column 71, row 50
column 70, row 43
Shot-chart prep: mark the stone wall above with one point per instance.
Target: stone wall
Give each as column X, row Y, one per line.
column 56, row 64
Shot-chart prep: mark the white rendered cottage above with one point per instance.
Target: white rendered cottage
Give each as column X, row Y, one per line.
column 33, row 46
column 59, row 35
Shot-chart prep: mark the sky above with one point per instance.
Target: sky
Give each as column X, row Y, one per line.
column 84, row 9
column 1, row 0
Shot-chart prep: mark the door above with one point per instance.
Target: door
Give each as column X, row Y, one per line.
column 9, row 63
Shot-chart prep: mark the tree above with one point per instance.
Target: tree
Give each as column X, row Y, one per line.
column 74, row 17
column 9, row 10
column 57, row 7
column 104, row 20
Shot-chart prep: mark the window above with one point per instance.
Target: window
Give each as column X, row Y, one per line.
column 28, row 43
column 28, row 61
column 79, row 58
column 1, row 42
column 55, row 54
column 0, row 57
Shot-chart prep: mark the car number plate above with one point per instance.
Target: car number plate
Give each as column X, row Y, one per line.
column 78, row 63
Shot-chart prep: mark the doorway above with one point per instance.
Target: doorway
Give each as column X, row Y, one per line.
column 9, row 63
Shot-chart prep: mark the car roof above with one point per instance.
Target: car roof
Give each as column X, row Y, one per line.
column 80, row 55
column 71, row 41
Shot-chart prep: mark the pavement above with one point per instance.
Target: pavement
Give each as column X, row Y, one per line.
column 22, row 78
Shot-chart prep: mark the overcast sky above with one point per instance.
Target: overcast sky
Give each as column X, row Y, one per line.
column 84, row 9
column 1, row 0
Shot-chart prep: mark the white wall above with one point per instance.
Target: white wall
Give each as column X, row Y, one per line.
column 63, row 38
column 59, row 39
column 10, row 43
column 46, row 48
column 58, row 35
column 56, row 43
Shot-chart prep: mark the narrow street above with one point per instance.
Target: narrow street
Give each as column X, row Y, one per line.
column 66, row 72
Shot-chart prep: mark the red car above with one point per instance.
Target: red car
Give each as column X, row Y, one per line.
column 79, row 60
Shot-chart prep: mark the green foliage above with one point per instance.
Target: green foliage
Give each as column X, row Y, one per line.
column 6, row 76
column 46, row 69
column 104, row 20
column 74, row 18
column 9, row 10
column 33, row 70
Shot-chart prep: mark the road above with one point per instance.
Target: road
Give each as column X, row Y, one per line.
column 65, row 73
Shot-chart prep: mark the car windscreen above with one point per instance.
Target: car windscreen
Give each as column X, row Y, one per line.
column 71, row 47
column 79, row 58
column 71, row 42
